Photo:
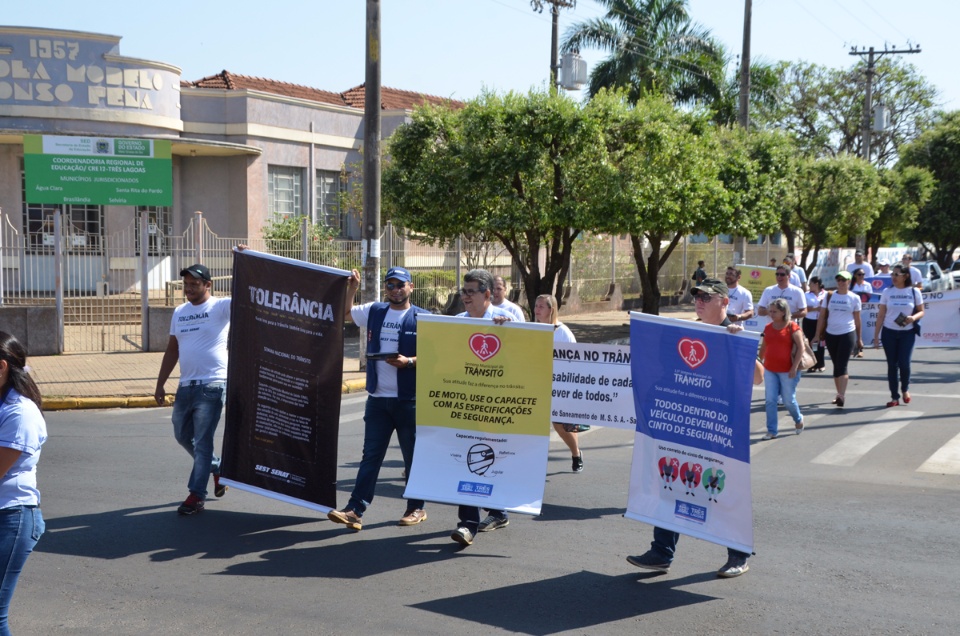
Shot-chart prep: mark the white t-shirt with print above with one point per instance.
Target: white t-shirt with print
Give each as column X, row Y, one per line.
column 792, row 294
column 841, row 308
column 741, row 300
column 513, row 309
column 899, row 301
column 389, row 343
column 201, row 332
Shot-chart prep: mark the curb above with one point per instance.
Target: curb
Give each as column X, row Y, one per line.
column 139, row 402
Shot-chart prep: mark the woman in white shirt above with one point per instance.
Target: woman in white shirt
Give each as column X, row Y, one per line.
column 545, row 310
column 815, row 297
column 839, row 324
column 901, row 306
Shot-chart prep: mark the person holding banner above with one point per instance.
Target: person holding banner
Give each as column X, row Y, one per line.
column 840, row 321
column 391, row 384
column 780, row 352
column 476, row 294
column 815, row 297
column 901, row 307
column 198, row 340
column 784, row 289
column 545, row 310
column 711, row 300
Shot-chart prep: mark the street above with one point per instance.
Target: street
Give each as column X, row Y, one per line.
column 856, row 528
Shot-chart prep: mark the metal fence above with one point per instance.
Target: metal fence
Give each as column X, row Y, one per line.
column 102, row 285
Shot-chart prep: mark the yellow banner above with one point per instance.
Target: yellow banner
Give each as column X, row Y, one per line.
column 757, row 278
column 477, row 376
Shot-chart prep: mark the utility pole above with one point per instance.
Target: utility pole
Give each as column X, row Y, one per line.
column 371, row 158
column 745, row 67
column 555, row 5
column 872, row 57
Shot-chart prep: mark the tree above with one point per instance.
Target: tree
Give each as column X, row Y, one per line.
column 909, row 190
column 669, row 174
column 654, row 49
column 938, row 150
column 518, row 168
column 832, row 197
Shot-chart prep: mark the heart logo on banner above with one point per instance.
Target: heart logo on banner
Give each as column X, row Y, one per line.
column 693, row 352
column 484, row 346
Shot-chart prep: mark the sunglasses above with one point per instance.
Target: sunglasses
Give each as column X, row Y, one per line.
column 392, row 286
column 780, row 274
column 470, row 292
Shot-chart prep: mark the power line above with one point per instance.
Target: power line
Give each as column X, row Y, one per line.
column 889, row 23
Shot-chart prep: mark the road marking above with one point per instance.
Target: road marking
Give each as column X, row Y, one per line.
column 854, row 446
column 354, row 399
column 945, row 460
column 785, row 427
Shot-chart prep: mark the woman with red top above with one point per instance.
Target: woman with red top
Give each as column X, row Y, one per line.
column 780, row 351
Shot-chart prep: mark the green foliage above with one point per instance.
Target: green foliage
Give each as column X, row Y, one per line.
column 283, row 237
column 938, row 151
column 431, row 287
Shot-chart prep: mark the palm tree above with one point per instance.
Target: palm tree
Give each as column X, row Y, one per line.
column 654, row 48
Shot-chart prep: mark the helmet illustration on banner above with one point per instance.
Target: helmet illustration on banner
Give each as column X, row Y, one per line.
column 479, row 458
column 690, row 476
column 669, row 469
column 713, row 479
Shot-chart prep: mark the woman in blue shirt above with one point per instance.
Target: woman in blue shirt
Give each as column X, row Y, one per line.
column 22, row 432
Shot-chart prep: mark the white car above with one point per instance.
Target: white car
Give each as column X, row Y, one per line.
column 933, row 277
column 955, row 272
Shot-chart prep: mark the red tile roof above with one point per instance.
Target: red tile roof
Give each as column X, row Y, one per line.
column 391, row 98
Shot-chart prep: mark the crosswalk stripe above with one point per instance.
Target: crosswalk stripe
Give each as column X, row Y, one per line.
column 785, row 426
column 854, row 446
column 344, row 419
column 945, row 460
column 362, row 397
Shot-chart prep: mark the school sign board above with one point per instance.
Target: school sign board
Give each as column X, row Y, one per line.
column 97, row 170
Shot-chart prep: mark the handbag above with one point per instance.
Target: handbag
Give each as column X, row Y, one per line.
column 807, row 358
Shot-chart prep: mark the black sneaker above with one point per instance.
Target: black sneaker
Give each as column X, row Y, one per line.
column 191, row 506
column 218, row 489
column 492, row 523
column 735, row 566
column 578, row 463
column 650, row 560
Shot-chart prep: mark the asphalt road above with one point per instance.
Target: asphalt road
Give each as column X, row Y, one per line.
column 853, row 536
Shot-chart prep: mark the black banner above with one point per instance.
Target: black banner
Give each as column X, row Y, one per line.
column 284, row 379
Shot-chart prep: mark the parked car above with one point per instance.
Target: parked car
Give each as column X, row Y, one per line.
column 934, row 280
column 955, row 272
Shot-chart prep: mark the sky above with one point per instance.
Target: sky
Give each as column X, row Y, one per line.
column 458, row 48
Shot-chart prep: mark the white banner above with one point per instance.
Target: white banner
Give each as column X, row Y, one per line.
column 592, row 385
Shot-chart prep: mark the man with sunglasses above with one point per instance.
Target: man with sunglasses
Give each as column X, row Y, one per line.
column 476, row 294
column 859, row 263
column 783, row 289
column 391, row 383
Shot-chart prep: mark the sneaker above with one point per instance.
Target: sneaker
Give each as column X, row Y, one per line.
column 578, row 463
column 650, row 560
column 492, row 523
column 347, row 517
column 191, row 505
column 218, row 489
column 463, row 536
column 799, row 427
column 413, row 517
column 769, row 436
column 735, row 566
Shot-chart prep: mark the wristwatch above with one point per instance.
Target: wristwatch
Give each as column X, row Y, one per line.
column 409, row 363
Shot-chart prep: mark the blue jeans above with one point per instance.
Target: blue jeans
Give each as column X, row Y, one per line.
column 196, row 413
column 20, row 528
column 381, row 417
column 781, row 384
column 898, row 347
column 665, row 545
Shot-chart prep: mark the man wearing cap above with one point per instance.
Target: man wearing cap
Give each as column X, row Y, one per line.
column 711, row 302
column 741, row 300
column 783, row 289
column 916, row 278
column 798, row 277
column 392, row 387
column 198, row 340
column 884, row 266
column 859, row 263
column 499, row 299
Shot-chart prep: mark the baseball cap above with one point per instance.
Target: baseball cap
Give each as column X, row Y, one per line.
column 858, row 253
column 883, row 262
column 711, row 286
column 398, row 273
column 197, row 271
column 844, row 275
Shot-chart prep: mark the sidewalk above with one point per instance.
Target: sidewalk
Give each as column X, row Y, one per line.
column 116, row 380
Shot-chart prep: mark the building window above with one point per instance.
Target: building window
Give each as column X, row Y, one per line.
column 284, row 191
column 82, row 224
column 329, row 187
column 159, row 229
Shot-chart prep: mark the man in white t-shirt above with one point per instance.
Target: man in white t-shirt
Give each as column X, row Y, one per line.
column 798, row 276
column 740, row 307
column 783, row 289
column 476, row 294
column 391, row 329
column 859, row 263
column 916, row 278
column 499, row 299
column 198, row 340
